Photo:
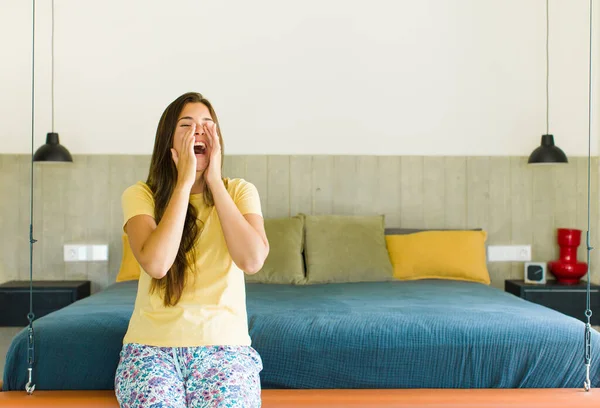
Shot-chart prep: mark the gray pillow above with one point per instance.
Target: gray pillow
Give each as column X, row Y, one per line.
column 285, row 263
column 341, row 248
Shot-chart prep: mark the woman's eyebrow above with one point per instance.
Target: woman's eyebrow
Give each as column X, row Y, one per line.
column 190, row 118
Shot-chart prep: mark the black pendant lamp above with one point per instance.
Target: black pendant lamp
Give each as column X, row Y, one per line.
column 52, row 151
column 547, row 152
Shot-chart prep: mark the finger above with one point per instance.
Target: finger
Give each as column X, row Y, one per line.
column 206, row 130
column 182, row 143
column 191, row 142
column 190, row 133
column 216, row 137
column 213, row 134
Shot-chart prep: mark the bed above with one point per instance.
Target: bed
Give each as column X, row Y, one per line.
column 380, row 335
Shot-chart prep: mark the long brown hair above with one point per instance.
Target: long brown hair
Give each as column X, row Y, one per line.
column 162, row 178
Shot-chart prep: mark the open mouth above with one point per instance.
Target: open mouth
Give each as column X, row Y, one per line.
column 199, row 148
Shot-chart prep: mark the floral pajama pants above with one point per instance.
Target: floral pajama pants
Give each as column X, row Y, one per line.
column 212, row 376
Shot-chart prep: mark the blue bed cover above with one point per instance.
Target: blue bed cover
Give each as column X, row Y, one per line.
column 419, row 334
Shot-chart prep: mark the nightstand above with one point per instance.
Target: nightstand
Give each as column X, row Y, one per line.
column 48, row 296
column 567, row 299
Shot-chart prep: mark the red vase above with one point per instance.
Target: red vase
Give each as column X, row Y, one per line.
column 567, row 269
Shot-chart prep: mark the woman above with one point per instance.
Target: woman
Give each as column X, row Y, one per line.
column 194, row 235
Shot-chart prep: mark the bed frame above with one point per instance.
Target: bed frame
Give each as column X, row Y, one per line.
column 431, row 398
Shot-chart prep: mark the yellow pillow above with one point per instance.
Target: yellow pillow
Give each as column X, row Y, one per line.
column 130, row 268
column 455, row 255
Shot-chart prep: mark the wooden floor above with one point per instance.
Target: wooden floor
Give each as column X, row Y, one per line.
column 431, row 398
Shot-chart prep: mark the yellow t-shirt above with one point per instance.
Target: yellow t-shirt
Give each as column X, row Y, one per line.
column 212, row 308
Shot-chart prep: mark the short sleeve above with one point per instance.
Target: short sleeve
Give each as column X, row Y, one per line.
column 136, row 200
column 246, row 198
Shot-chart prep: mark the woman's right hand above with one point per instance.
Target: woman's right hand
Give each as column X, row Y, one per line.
column 185, row 159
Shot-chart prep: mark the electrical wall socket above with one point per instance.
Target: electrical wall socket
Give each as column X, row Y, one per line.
column 509, row 253
column 85, row 253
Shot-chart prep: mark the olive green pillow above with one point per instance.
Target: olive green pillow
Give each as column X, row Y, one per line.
column 341, row 248
column 284, row 264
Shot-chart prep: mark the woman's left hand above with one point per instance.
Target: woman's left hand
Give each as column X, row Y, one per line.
column 213, row 171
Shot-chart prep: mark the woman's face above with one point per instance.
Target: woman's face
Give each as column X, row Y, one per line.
column 198, row 113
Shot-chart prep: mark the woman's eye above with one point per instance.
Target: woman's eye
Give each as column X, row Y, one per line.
column 184, row 125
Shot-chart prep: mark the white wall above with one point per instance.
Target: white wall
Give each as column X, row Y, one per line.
column 401, row 77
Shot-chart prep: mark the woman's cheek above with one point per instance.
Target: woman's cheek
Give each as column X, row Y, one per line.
column 177, row 140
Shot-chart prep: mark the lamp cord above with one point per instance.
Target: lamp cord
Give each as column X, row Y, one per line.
column 52, row 56
column 547, row 68
column 30, row 387
column 588, row 311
